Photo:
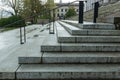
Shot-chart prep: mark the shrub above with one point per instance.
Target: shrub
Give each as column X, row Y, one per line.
column 13, row 21
column 71, row 12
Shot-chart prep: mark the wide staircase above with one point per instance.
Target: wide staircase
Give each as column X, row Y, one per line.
column 89, row 51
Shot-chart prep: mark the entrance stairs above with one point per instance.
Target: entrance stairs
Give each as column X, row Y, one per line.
column 89, row 51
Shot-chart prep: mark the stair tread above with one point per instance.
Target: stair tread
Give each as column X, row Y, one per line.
column 69, row 68
column 81, row 54
column 87, row 23
column 90, row 44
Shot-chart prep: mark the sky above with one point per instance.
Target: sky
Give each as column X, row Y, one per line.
column 66, row 1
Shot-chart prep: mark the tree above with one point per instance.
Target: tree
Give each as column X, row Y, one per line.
column 70, row 12
column 49, row 6
column 31, row 8
column 14, row 5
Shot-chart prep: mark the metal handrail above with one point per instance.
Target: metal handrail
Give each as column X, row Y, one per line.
column 21, row 41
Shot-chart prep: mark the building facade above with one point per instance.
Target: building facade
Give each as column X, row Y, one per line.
column 61, row 11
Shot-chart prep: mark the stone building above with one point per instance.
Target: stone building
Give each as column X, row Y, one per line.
column 60, row 12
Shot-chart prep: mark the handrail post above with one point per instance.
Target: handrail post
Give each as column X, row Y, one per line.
column 21, row 42
column 81, row 9
column 96, row 7
column 53, row 20
column 24, row 34
column 49, row 21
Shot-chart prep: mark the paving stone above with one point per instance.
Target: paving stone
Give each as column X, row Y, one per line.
column 9, row 55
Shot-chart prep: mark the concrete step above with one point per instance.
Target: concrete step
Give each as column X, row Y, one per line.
column 65, row 37
column 68, row 71
column 79, row 39
column 81, row 57
column 73, row 57
column 92, row 32
column 30, row 58
column 78, row 47
column 90, row 25
column 50, row 44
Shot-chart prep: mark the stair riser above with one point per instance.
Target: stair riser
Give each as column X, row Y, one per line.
column 80, row 60
column 87, row 39
column 104, row 27
column 29, row 60
column 64, row 60
column 80, row 48
column 94, row 26
column 68, row 75
column 95, row 32
column 7, row 75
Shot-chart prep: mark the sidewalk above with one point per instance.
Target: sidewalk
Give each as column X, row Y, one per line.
column 10, row 48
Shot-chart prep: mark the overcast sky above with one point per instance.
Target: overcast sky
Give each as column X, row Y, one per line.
column 66, row 1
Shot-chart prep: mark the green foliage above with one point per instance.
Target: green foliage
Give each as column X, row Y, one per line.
column 13, row 21
column 49, row 6
column 70, row 12
column 31, row 9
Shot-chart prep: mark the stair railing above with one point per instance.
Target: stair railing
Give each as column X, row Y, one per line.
column 23, row 29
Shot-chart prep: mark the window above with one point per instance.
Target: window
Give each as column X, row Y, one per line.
column 61, row 14
column 65, row 10
column 57, row 15
column 61, row 10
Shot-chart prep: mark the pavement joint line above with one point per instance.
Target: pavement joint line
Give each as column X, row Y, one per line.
column 42, row 56
column 17, row 70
